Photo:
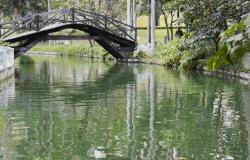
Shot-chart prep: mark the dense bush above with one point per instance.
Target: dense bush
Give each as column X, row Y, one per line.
column 169, row 54
column 182, row 53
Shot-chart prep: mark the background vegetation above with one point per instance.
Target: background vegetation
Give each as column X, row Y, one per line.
column 209, row 24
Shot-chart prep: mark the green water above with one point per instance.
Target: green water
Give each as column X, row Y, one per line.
column 76, row 109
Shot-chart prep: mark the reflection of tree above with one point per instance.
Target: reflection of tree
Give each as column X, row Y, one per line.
column 130, row 121
column 185, row 124
column 152, row 142
column 194, row 126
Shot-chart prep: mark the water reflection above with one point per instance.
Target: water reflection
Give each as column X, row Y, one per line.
column 84, row 109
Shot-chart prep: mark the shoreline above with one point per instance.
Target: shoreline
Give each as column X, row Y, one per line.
column 219, row 73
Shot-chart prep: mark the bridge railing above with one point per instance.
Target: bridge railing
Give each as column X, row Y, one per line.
column 22, row 24
column 40, row 21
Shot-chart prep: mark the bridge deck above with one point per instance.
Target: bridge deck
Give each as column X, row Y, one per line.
column 25, row 34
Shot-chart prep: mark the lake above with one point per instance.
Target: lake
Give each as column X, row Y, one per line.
column 84, row 109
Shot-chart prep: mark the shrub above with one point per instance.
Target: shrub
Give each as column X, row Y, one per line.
column 226, row 56
column 141, row 55
column 169, row 54
column 26, row 60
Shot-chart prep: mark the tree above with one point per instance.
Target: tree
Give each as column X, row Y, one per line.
column 168, row 8
column 208, row 18
column 165, row 7
column 17, row 8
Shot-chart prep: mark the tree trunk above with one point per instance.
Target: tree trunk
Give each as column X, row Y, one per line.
column 149, row 24
column 99, row 5
column 129, row 15
column 166, row 24
column 216, row 39
column 134, row 14
column 216, row 43
column 157, row 19
column 91, row 46
column 171, row 25
column 152, row 26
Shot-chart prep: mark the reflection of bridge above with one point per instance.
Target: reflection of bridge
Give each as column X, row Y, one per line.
column 116, row 37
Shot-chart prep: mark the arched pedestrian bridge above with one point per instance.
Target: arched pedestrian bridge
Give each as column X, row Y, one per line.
column 116, row 37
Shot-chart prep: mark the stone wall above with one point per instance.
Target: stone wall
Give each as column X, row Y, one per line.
column 240, row 37
column 246, row 101
column 246, row 61
column 6, row 62
column 7, row 91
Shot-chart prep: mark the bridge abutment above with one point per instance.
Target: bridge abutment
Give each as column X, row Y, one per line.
column 6, row 62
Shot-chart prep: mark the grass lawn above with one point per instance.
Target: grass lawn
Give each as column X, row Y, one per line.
column 72, row 48
column 159, row 35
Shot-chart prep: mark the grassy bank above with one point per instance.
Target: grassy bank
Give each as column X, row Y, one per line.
column 166, row 54
column 78, row 48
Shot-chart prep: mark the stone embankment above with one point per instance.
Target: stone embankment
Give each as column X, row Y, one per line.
column 6, row 62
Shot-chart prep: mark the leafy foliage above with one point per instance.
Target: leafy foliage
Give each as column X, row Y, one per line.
column 236, row 28
column 208, row 19
column 225, row 56
column 18, row 8
column 208, row 23
column 220, row 59
column 230, row 54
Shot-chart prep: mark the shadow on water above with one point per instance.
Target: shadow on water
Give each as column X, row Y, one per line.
column 87, row 109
